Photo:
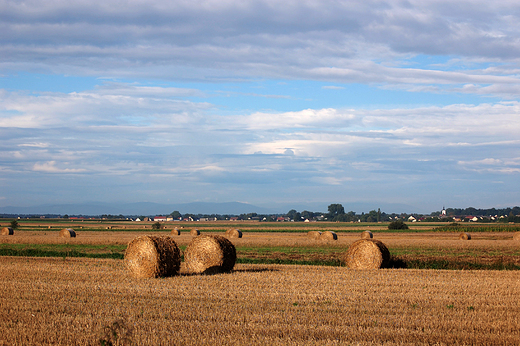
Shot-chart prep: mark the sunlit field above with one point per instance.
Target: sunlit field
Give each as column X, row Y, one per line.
column 76, row 301
column 53, row 296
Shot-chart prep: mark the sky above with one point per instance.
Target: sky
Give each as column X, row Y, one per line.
column 402, row 104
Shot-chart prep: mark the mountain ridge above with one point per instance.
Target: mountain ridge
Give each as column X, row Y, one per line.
column 139, row 208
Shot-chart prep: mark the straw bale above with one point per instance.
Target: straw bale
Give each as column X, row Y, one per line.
column 328, row 235
column 176, row 231
column 314, row 235
column 7, row 231
column 367, row 235
column 516, row 236
column 194, row 232
column 367, row 254
column 210, row 254
column 152, row 256
column 67, row 233
column 234, row 233
column 465, row 236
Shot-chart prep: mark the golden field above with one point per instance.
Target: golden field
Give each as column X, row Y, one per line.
column 84, row 301
column 484, row 248
column 75, row 301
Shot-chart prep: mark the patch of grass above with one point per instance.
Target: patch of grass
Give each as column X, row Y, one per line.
column 457, row 227
column 47, row 253
column 63, row 250
column 319, row 256
column 458, row 265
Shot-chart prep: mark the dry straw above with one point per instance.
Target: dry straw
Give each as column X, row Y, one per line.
column 314, row 234
column 234, row 233
column 176, row 231
column 67, row 233
column 367, row 235
column 516, row 236
column 194, row 232
column 7, row 231
column 153, row 256
column 367, row 254
column 465, row 236
column 329, row 235
column 210, row 254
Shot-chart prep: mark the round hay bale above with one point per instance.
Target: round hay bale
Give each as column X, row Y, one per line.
column 7, row 231
column 516, row 236
column 234, row 233
column 328, row 235
column 314, row 235
column 194, row 232
column 464, row 236
column 209, row 254
column 151, row 256
column 367, row 254
column 367, row 235
column 67, row 233
column 176, row 231
column 108, row 227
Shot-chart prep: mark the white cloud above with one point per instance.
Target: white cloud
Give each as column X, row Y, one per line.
column 354, row 42
column 50, row 167
column 130, row 127
column 332, row 87
column 143, row 135
column 35, row 145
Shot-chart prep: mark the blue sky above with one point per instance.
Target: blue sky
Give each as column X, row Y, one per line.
column 409, row 105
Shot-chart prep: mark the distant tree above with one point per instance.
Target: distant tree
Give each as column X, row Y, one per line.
column 307, row 214
column 156, row 225
column 291, row 213
column 335, row 210
column 176, row 214
column 397, row 224
column 65, row 216
column 372, row 216
column 14, row 224
column 294, row 215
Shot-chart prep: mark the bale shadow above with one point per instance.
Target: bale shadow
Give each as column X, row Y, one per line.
column 217, row 271
column 256, row 270
column 396, row 263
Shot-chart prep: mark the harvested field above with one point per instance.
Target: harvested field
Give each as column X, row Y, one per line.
column 284, row 227
column 75, row 301
column 434, row 250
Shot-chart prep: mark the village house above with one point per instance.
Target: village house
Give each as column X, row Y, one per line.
column 160, row 218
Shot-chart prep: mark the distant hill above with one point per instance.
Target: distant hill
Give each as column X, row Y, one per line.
column 141, row 208
column 228, row 208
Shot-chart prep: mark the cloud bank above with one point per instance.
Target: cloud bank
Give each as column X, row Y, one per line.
column 175, row 114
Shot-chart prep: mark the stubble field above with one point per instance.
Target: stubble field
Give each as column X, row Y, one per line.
column 79, row 301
